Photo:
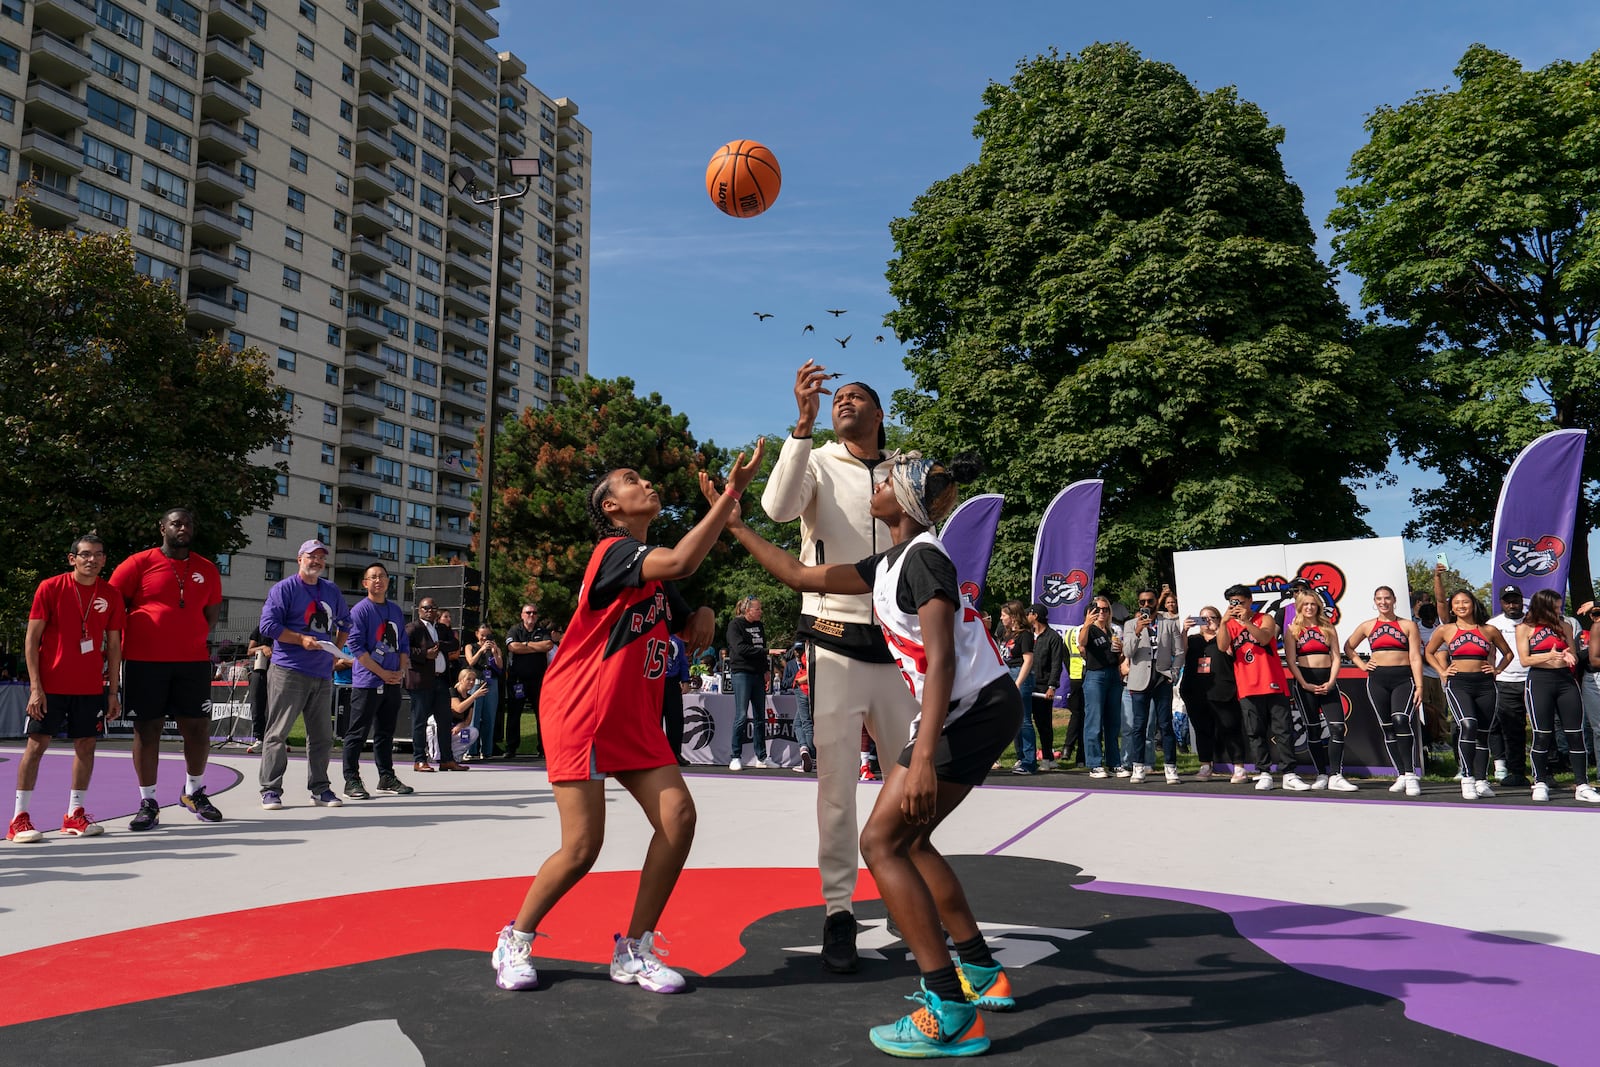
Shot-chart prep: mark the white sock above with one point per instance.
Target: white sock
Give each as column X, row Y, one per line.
column 75, row 800
column 147, row 792
column 193, row 785
column 526, row 939
column 24, row 798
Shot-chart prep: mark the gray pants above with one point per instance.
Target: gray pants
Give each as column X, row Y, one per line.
column 289, row 695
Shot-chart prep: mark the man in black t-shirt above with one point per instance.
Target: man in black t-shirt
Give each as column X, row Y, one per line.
column 529, row 644
column 747, row 659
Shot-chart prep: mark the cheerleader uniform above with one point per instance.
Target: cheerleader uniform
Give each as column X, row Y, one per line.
column 1391, row 690
column 1470, row 693
column 1552, row 693
column 1323, row 712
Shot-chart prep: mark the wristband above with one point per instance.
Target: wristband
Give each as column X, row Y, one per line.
column 801, row 436
column 729, row 492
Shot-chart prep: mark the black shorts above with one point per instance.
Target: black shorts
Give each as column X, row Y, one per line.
column 969, row 746
column 155, row 691
column 77, row 716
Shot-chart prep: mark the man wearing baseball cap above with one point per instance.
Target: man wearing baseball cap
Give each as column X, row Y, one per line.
column 1508, row 735
column 306, row 618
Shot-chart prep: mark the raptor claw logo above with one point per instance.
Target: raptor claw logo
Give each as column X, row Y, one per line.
column 970, row 594
column 1526, row 558
column 1064, row 588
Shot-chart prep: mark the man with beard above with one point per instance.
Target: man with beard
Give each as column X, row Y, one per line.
column 382, row 656
column 529, row 644
column 852, row 676
column 1508, row 735
column 304, row 614
column 172, row 596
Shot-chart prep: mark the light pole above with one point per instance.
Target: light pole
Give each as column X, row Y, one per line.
column 465, row 181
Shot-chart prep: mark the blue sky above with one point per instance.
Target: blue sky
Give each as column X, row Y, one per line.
column 866, row 104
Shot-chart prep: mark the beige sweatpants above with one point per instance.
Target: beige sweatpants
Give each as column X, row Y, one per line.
column 845, row 694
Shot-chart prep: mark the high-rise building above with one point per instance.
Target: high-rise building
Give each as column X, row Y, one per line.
column 288, row 167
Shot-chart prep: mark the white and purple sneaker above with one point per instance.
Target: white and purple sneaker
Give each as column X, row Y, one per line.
column 513, row 962
column 639, row 962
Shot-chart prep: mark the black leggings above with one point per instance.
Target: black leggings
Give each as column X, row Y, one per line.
column 1553, row 694
column 1325, row 721
column 1471, row 697
column 1391, row 690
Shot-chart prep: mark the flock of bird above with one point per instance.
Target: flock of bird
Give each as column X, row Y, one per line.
column 843, row 342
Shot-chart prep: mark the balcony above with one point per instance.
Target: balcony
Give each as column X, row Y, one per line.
column 568, row 135
column 51, row 107
column 216, row 184
column 70, row 18
column 376, row 111
column 476, row 19
column 361, row 441
column 57, row 153
column 222, row 143
column 465, row 235
column 385, row 11
column 463, row 205
column 459, row 398
column 566, row 253
column 568, row 299
column 567, row 205
column 356, row 478
column 377, row 40
column 512, row 143
column 461, row 297
column 49, row 206
column 212, row 268
column 509, row 403
column 569, row 226
column 364, row 365
column 507, row 352
column 474, row 269
column 359, row 519
column 372, row 146
column 446, row 536
column 364, row 400
column 571, row 157
column 354, row 558
column 459, row 432
column 219, row 100
column 510, row 267
column 475, row 67
column 57, row 59
column 472, row 111
column 226, row 59
column 230, row 17
column 567, row 276
column 367, row 254
column 211, row 312
column 568, row 179
column 367, row 216
column 213, row 227
column 463, row 138
column 363, row 327
column 477, row 372
column 371, row 288
column 376, row 76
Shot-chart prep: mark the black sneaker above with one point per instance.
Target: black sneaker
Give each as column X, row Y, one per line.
column 807, row 762
column 839, row 943
column 388, row 783
column 201, row 805
column 355, row 790
column 1515, row 781
column 149, row 816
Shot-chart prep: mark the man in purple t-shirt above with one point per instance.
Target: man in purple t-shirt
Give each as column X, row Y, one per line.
column 382, row 655
column 306, row 619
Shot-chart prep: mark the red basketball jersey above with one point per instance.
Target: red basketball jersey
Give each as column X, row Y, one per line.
column 1255, row 666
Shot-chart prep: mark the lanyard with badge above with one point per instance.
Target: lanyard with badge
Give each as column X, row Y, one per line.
column 85, row 642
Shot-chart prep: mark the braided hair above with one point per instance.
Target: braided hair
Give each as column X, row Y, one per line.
column 604, row 525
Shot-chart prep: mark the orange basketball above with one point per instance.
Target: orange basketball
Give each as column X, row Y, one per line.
column 743, row 178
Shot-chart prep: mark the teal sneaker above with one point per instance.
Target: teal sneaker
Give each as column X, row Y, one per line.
column 938, row 1028
column 986, row 987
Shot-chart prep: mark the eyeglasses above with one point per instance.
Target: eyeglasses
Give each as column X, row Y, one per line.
column 1235, row 602
column 426, row 607
column 1210, row 618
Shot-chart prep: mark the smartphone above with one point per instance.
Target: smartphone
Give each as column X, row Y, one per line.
column 1444, row 561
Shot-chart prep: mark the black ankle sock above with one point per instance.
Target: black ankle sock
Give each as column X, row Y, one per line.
column 944, row 982
column 975, row 952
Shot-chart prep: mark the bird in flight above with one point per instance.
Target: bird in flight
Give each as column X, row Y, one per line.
column 761, row 316
column 879, row 339
column 845, row 340
column 835, row 312
column 808, row 328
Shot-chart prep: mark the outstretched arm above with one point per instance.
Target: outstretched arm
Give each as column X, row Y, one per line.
column 829, row 578
column 683, row 559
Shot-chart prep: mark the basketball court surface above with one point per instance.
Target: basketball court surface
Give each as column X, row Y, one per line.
column 1143, row 925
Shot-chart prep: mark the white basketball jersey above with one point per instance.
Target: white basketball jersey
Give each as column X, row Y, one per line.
column 978, row 660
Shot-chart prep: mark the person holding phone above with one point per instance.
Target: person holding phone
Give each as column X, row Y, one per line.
column 1102, row 688
column 1250, row 639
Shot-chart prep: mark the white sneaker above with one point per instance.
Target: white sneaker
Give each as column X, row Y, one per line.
column 1586, row 793
column 1482, row 789
column 1172, row 776
column 1413, row 786
column 513, row 962
column 735, row 765
column 1399, row 784
column 1123, row 772
column 639, row 963
column 1263, row 781
column 758, row 764
column 1295, row 783
column 1541, row 792
column 1239, row 775
column 1204, row 773
column 1340, row 784
column 1099, row 772
column 1500, row 770
column 1139, row 773
column 1321, row 782
column 1469, row 789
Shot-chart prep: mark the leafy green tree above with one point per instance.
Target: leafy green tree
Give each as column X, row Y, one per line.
column 1124, row 286
column 1419, row 578
column 1468, row 220
column 112, row 411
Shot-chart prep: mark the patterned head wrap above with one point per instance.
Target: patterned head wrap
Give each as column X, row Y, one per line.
column 923, row 488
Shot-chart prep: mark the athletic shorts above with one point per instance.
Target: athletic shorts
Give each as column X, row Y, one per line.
column 76, row 716
column 969, row 746
column 153, row 690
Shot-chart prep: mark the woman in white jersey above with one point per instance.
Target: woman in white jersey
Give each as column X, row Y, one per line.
column 970, row 711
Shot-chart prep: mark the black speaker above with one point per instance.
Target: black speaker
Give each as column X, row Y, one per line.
column 457, row 589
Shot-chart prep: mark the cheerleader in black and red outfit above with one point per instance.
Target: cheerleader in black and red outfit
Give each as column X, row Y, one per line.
column 601, row 714
column 1545, row 645
column 1394, row 683
column 1311, row 647
column 1463, row 651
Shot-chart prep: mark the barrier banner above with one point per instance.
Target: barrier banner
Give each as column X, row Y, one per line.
column 708, row 724
column 1535, row 519
column 968, row 536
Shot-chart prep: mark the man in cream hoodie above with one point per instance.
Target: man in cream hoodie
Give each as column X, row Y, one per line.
column 853, row 678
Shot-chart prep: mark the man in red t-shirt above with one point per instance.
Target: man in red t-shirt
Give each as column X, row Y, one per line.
column 172, row 596
column 1252, row 640
column 74, row 638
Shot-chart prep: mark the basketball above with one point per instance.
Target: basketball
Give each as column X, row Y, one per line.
column 743, row 178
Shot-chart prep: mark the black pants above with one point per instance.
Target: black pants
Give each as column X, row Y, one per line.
column 1230, row 746
column 672, row 717
column 1554, row 700
column 1324, row 718
column 1202, row 720
column 1072, row 744
column 510, row 720
column 1044, row 726
column 1508, row 737
column 1269, row 727
column 375, row 712
column 258, row 704
column 1471, row 697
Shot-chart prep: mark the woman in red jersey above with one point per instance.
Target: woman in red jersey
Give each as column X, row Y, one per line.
column 601, row 714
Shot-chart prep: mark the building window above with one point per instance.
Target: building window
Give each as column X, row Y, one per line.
column 296, row 199
column 287, row 361
column 293, row 238
column 425, row 372
column 327, row 454
column 277, row 526
column 289, row 319
column 330, row 374
column 308, row 11
column 224, row 562
column 291, row 279
column 251, row 134
column 103, row 107
column 334, row 336
column 274, row 568
column 324, row 493
column 302, row 83
column 421, row 443
column 305, row 46
column 102, row 203
column 280, row 485
column 245, row 216
column 300, row 121
column 247, row 174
